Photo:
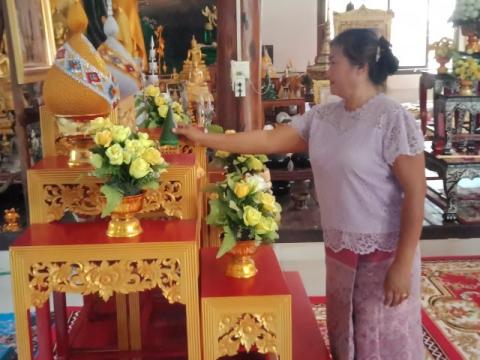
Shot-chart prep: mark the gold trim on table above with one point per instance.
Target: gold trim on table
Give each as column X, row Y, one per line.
column 230, row 323
column 52, row 192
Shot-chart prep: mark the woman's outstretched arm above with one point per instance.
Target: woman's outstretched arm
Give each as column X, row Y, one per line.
column 283, row 139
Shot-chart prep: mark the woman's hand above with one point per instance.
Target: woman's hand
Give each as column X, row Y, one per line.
column 192, row 133
column 397, row 284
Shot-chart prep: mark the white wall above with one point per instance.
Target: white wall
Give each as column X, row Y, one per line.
column 290, row 26
column 404, row 88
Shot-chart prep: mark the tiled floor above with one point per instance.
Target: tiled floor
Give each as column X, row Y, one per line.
column 306, row 258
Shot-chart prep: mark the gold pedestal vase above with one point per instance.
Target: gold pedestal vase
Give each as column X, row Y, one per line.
column 466, row 88
column 123, row 222
column 241, row 264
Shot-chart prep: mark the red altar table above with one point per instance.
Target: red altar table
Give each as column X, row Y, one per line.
column 80, row 258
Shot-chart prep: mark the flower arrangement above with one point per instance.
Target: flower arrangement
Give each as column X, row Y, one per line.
column 466, row 12
column 154, row 106
column 443, row 48
column 244, row 207
column 240, row 163
column 129, row 162
column 466, row 68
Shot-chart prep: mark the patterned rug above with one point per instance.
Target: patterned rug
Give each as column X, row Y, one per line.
column 7, row 337
column 451, row 303
column 451, row 308
column 7, row 333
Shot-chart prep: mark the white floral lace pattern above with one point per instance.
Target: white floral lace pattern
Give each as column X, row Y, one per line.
column 403, row 137
column 360, row 243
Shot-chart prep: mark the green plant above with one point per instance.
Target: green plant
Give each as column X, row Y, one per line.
column 245, row 209
column 128, row 162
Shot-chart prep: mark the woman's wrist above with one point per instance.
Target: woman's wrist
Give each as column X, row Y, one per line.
column 403, row 260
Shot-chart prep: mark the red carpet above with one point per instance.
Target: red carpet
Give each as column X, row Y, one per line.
column 451, row 308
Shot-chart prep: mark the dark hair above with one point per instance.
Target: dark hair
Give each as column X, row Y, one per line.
column 363, row 46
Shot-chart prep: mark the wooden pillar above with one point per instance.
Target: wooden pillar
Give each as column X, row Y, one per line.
column 227, row 50
column 242, row 113
column 250, row 106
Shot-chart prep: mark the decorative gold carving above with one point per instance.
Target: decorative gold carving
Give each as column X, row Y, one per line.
column 81, row 199
column 87, row 200
column 378, row 20
column 167, row 198
column 11, row 218
column 104, row 278
column 247, row 330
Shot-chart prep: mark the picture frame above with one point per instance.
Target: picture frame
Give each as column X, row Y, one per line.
column 30, row 29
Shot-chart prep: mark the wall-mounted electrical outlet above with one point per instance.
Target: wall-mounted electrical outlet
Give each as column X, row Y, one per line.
column 240, row 72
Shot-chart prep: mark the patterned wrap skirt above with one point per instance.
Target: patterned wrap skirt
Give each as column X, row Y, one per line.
column 360, row 326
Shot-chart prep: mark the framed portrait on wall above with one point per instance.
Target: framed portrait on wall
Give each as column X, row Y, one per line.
column 31, row 30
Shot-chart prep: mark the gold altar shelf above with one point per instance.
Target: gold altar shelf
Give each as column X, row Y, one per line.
column 245, row 314
column 79, row 258
column 55, row 188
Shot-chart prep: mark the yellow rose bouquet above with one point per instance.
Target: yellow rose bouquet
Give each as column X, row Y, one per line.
column 466, row 68
column 244, row 207
column 129, row 162
column 153, row 106
column 239, row 163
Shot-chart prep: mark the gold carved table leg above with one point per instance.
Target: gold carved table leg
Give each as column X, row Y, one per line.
column 122, row 322
column 21, row 307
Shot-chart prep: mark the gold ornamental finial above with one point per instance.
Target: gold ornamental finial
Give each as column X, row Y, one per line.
column 11, row 218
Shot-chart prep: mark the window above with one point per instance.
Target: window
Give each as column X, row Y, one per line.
column 416, row 24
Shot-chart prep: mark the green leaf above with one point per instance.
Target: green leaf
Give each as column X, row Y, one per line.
column 233, row 205
column 114, row 198
column 216, row 215
column 228, row 242
column 150, row 185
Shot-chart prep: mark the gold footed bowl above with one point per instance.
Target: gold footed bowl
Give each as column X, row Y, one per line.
column 123, row 222
column 80, row 149
column 241, row 264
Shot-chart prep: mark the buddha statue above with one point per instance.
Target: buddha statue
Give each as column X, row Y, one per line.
column 194, row 55
column 197, row 88
column 131, row 33
column 267, row 65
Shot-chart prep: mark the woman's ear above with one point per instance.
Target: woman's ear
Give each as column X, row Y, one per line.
column 362, row 69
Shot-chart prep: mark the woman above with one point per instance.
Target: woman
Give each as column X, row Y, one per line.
column 367, row 159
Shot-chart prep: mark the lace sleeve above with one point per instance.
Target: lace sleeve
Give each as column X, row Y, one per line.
column 402, row 136
column 303, row 123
